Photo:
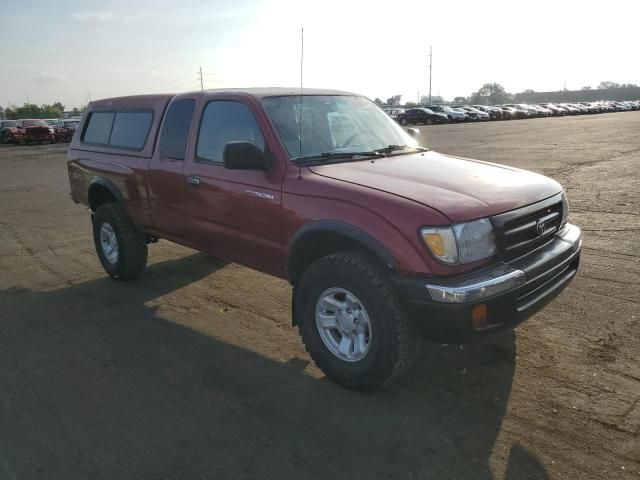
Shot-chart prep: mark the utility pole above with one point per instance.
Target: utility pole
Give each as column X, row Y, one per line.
column 430, row 70
column 201, row 82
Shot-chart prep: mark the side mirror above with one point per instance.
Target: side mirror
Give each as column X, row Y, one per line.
column 413, row 132
column 244, row 156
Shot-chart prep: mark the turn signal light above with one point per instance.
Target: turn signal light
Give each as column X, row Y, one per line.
column 434, row 241
column 479, row 316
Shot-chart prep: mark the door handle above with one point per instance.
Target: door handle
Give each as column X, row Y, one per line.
column 191, row 180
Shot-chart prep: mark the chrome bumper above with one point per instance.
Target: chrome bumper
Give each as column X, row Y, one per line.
column 498, row 279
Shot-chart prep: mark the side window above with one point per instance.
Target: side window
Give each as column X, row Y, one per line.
column 175, row 129
column 130, row 130
column 223, row 122
column 99, row 128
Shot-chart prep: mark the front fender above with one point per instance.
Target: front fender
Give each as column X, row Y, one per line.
column 352, row 232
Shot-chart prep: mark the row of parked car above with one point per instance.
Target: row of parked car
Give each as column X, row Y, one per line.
column 431, row 114
column 33, row 130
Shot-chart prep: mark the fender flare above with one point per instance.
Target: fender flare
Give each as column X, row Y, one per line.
column 332, row 226
column 113, row 189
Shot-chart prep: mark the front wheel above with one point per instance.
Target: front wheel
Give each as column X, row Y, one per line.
column 404, row 121
column 121, row 248
column 352, row 323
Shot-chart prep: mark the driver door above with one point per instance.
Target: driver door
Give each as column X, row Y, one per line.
column 234, row 214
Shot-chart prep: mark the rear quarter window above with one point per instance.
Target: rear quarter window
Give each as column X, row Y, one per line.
column 175, row 129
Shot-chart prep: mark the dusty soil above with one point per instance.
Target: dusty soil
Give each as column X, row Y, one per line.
column 194, row 371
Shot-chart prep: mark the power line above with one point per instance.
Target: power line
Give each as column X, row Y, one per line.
column 167, row 84
column 192, row 83
column 201, row 82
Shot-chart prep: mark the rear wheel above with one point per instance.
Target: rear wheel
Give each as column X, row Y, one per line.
column 352, row 323
column 121, row 248
column 404, row 121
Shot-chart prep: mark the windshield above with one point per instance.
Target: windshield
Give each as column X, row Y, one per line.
column 8, row 123
column 332, row 124
column 33, row 123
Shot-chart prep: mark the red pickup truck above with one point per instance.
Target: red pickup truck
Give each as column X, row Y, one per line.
column 380, row 238
column 30, row 131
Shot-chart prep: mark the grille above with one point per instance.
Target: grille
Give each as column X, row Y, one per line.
column 531, row 230
column 39, row 131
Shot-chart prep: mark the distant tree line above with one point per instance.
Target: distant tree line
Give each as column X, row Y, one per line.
column 31, row 110
column 496, row 94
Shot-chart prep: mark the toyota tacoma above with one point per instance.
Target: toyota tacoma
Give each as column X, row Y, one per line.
column 380, row 238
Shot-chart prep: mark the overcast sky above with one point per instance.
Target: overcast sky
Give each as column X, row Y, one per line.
column 59, row 50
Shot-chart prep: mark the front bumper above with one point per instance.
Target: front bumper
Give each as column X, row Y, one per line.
column 511, row 292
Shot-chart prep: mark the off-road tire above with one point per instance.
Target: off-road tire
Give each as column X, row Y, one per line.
column 132, row 245
column 394, row 343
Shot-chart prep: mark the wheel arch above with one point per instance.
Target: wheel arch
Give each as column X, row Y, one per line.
column 323, row 237
column 102, row 190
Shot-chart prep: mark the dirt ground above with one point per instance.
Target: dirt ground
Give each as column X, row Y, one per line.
column 194, row 371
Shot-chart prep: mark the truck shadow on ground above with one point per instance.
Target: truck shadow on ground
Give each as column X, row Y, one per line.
column 94, row 384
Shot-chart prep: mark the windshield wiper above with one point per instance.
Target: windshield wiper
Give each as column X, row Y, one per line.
column 379, row 152
column 326, row 156
column 393, row 148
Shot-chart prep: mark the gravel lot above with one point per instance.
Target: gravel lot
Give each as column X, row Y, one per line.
column 194, row 371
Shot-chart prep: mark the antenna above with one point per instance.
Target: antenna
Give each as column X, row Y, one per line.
column 300, row 107
column 430, row 69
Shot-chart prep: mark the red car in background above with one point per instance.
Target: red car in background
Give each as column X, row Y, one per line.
column 29, row 131
column 5, row 130
column 65, row 129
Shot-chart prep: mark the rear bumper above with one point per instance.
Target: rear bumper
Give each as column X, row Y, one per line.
column 511, row 292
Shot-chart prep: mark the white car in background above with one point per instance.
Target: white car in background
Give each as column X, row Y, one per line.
column 394, row 112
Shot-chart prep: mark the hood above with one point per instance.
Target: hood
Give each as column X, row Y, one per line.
column 461, row 189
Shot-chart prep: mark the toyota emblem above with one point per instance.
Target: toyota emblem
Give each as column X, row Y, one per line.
column 540, row 227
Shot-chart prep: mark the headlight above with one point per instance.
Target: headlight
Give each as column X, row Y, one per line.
column 565, row 209
column 461, row 243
